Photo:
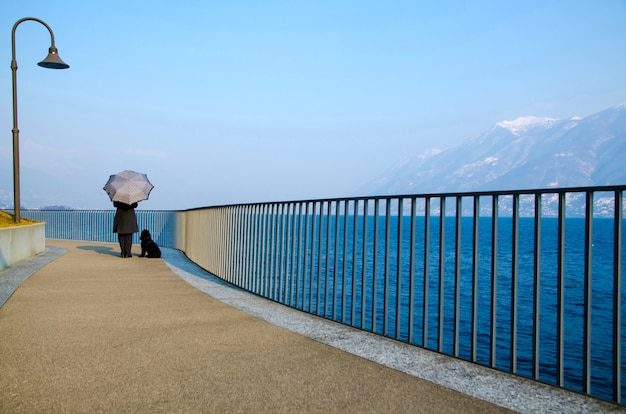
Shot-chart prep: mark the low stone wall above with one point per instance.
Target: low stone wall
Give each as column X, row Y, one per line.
column 21, row 242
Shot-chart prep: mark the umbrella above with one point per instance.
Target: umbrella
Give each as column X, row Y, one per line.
column 128, row 187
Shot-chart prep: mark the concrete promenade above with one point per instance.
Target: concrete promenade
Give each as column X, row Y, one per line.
column 83, row 330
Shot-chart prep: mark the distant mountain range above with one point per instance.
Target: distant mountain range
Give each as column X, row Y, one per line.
column 527, row 153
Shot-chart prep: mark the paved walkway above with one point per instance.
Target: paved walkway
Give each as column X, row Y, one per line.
column 92, row 332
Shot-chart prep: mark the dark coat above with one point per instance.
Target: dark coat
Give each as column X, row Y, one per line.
column 125, row 220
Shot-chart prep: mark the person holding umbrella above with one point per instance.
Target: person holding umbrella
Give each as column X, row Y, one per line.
column 125, row 224
column 126, row 189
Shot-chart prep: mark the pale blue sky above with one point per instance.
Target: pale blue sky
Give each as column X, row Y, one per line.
column 246, row 101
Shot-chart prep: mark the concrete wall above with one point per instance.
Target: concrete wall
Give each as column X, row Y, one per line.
column 21, row 242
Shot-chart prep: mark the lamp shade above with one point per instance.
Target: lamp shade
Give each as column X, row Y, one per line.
column 53, row 61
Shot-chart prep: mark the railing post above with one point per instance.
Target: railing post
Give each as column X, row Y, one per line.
column 494, row 277
column 617, row 298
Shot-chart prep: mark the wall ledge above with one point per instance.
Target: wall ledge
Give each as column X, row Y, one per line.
column 21, row 242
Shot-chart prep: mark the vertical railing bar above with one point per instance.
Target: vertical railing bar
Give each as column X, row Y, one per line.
column 286, row 262
column 243, row 251
column 221, row 247
column 290, row 212
column 294, row 252
column 238, row 244
column 210, row 231
column 537, row 287
column 230, row 245
column 218, row 242
column 236, row 219
column 274, row 275
column 243, row 246
column 279, row 255
column 269, row 250
column 257, row 244
column 617, row 298
column 494, row 276
column 364, row 266
column 514, row 269
column 399, row 269
column 345, row 260
column 264, row 246
column 279, row 288
column 287, row 254
column 457, row 275
column 475, row 251
column 588, row 291
column 299, row 257
column 301, row 253
column 257, row 248
column 412, row 269
column 320, row 250
column 314, row 283
column 442, row 259
column 277, row 245
column 231, row 259
column 320, row 259
column 221, row 242
column 206, row 240
column 267, row 256
column 306, row 254
column 273, row 244
column 355, row 235
column 560, row 314
column 336, row 256
column 216, row 245
column 328, row 247
column 375, row 268
column 249, row 246
column 426, row 270
column 387, row 260
column 246, row 246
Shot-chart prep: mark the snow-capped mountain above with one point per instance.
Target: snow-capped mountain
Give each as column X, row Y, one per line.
column 525, row 123
column 526, row 153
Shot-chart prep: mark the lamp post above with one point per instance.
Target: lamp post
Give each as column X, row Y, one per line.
column 52, row 61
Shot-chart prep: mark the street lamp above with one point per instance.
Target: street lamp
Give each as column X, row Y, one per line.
column 52, row 61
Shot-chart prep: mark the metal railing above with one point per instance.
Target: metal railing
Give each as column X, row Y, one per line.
column 97, row 225
column 527, row 282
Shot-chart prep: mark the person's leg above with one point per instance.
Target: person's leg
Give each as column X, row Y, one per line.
column 128, row 244
column 120, row 239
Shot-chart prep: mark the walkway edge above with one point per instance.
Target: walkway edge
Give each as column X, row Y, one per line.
column 12, row 277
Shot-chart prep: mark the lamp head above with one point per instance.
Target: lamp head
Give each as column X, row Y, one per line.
column 53, row 61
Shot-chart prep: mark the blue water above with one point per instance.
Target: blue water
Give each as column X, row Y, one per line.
column 322, row 282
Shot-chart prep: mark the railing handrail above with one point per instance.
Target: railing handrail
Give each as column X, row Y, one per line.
column 482, row 193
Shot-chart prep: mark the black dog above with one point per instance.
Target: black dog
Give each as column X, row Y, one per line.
column 148, row 247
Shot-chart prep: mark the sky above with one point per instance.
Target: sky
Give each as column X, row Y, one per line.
column 224, row 102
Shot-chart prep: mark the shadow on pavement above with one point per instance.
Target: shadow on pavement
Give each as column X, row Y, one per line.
column 101, row 250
